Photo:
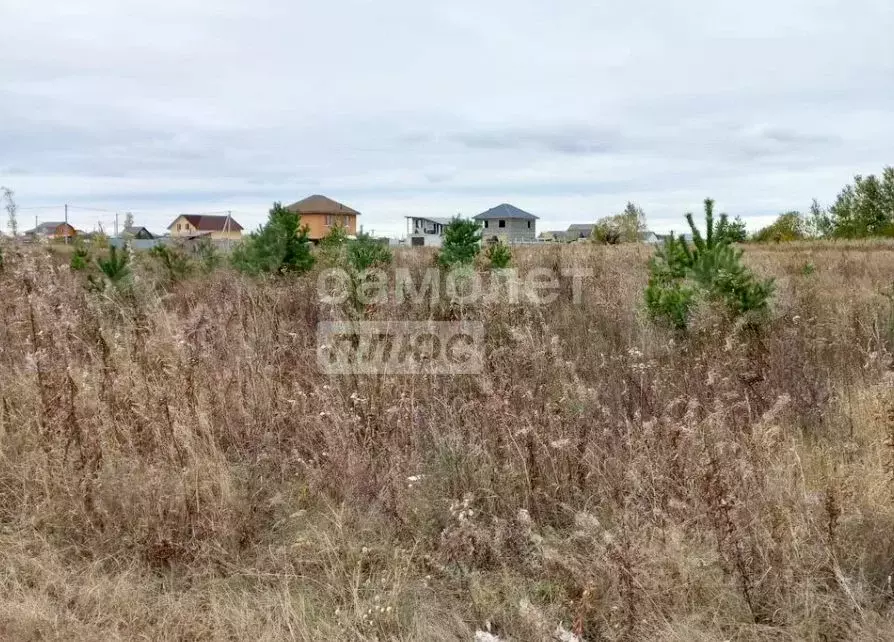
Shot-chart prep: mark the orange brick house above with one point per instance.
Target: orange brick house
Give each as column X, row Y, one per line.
column 55, row 231
column 320, row 214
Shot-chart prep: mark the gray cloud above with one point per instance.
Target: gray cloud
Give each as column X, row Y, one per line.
column 570, row 110
column 554, row 138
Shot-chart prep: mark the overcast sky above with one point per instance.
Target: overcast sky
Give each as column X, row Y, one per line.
column 565, row 108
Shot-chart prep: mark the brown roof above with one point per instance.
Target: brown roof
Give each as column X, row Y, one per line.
column 205, row 223
column 318, row 204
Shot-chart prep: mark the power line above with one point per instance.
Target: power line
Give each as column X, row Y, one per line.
column 90, row 209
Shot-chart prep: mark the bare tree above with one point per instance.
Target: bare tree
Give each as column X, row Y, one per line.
column 128, row 220
column 9, row 204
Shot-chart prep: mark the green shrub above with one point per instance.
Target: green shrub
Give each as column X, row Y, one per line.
column 115, row 270
column 500, row 256
column 711, row 268
column 365, row 252
column 100, row 240
column 337, row 237
column 790, row 226
column 209, row 258
column 668, row 296
column 80, row 259
column 606, row 232
column 175, row 262
column 333, row 246
column 462, row 242
column 735, row 231
column 279, row 246
column 626, row 227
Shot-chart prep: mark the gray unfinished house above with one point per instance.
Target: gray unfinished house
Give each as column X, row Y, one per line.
column 509, row 224
column 427, row 231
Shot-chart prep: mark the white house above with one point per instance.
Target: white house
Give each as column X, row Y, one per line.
column 426, row 231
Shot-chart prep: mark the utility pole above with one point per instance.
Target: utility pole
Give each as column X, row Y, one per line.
column 116, row 224
column 66, row 223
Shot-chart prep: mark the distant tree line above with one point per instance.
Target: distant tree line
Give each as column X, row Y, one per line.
column 630, row 226
column 864, row 209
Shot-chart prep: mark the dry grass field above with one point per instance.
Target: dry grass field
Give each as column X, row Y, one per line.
column 175, row 467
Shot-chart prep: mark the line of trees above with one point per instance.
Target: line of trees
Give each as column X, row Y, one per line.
column 630, row 226
column 863, row 209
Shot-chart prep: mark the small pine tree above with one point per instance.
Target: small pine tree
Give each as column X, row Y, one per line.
column 279, row 246
column 365, row 252
column 117, row 267
column 115, row 270
column 668, row 296
column 80, row 259
column 736, row 231
column 712, row 267
column 209, row 258
column 500, row 255
column 332, row 246
column 175, row 262
column 462, row 242
column 337, row 237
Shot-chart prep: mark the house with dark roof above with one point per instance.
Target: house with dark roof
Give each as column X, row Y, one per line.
column 320, row 214
column 579, row 231
column 137, row 232
column 553, row 236
column 204, row 225
column 508, row 223
column 52, row 230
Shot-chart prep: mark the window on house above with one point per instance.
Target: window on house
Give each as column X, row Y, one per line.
column 178, row 227
column 485, row 224
column 329, row 220
column 529, row 225
column 502, row 223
